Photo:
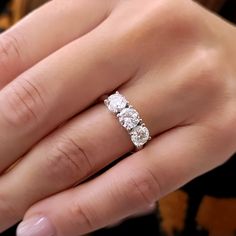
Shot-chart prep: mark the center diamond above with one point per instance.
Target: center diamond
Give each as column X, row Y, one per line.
column 129, row 118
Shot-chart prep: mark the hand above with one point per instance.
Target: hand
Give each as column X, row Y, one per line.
column 175, row 64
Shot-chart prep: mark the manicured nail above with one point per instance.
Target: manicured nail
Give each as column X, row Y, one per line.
column 36, row 226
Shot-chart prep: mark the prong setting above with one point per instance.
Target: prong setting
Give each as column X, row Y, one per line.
column 129, row 118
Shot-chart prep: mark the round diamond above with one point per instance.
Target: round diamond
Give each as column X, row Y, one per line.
column 116, row 102
column 139, row 135
column 129, row 118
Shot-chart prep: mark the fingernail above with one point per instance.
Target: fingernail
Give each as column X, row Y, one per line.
column 37, row 226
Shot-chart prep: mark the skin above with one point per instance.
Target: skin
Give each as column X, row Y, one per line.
column 173, row 60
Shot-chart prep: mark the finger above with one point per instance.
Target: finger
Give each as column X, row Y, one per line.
column 43, row 102
column 46, row 30
column 167, row 163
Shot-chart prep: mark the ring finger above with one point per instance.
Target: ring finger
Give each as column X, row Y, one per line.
column 77, row 150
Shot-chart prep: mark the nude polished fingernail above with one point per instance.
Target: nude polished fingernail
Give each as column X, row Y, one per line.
column 37, row 226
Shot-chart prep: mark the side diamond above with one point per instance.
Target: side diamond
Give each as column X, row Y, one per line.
column 140, row 135
column 116, row 102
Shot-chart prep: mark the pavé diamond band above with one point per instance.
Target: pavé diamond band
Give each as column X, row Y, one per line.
column 129, row 118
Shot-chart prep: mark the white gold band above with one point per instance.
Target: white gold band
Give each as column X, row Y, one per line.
column 129, row 118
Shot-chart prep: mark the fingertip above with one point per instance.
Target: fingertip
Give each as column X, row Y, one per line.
column 36, row 226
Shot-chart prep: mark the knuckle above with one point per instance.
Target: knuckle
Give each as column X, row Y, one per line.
column 69, row 158
column 82, row 215
column 179, row 21
column 22, row 103
column 144, row 188
column 206, row 77
column 211, row 61
column 158, row 19
column 210, row 71
column 10, row 49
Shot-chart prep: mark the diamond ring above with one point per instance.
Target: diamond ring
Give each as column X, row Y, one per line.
column 129, row 118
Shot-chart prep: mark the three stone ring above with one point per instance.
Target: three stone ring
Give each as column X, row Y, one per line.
column 129, row 118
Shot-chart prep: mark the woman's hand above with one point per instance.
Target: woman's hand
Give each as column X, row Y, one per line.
column 173, row 60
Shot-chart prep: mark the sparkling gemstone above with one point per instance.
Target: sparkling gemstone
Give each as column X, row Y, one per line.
column 129, row 118
column 139, row 135
column 116, row 102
